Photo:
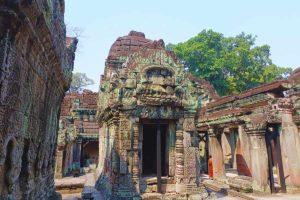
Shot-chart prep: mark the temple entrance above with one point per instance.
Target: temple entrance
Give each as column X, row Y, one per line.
column 276, row 173
column 89, row 153
column 150, row 149
column 155, row 153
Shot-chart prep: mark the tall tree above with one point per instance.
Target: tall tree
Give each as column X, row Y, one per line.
column 80, row 81
column 231, row 64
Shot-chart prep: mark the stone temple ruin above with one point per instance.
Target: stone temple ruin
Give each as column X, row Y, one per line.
column 151, row 128
column 147, row 111
column 77, row 140
column 256, row 135
column 159, row 124
column 36, row 61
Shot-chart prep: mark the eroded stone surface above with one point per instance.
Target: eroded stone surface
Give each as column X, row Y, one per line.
column 145, row 83
column 78, row 134
column 258, row 130
column 36, row 61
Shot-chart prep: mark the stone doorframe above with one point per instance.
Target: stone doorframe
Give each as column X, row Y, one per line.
column 179, row 153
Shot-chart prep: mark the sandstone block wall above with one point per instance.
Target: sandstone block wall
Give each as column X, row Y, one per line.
column 78, row 131
column 36, row 62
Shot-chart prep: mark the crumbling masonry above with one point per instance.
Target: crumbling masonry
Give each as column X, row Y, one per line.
column 147, row 112
column 159, row 124
column 255, row 136
column 78, row 133
column 36, row 61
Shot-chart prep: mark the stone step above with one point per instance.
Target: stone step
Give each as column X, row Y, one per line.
column 225, row 189
column 90, row 193
column 215, row 186
column 69, row 187
column 166, row 188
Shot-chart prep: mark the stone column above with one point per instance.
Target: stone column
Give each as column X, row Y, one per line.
column 179, row 159
column 59, row 163
column 227, row 147
column 135, row 169
column 243, row 155
column 115, row 153
column 216, row 152
column 171, row 148
column 259, row 156
column 101, row 153
column 290, row 143
column 190, row 145
column 78, row 149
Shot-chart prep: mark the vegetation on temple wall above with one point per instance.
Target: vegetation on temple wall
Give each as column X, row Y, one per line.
column 231, row 64
column 80, row 81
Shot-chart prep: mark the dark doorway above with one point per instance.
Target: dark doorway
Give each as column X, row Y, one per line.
column 276, row 174
column 150, row 149
column 89, row 154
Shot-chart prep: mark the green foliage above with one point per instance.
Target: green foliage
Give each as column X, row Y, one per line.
column 231, row 64
column 80, row 81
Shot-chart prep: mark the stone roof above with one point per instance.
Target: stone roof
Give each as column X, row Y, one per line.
column 133, row 42
column 279, row 85
column 87, row 100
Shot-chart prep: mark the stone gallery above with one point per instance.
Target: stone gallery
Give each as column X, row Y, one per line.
column 256, row 135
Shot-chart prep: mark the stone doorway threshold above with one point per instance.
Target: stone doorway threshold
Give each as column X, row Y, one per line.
column 149, row 184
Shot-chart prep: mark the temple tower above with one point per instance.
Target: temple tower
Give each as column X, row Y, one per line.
column 147, row 110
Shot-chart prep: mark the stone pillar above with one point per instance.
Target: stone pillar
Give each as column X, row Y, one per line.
column 179, row 159
column 135, row 169
column 290, row 143
column 243, row 155
column 226, row 145
column 216, row 152
column 59, row 163
column 78, row 151
column 101, row 152
column 190, row 145
column 71, row 153
column 171, row 148
column 115, row 153
column 259, row 156
column 66, row 158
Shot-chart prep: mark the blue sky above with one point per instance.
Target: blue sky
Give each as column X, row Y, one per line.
column 276, row 23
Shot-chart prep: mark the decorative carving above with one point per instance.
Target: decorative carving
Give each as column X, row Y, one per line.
column 36, row 61
column 189, row 124
column 144, row 82
column 179, row 157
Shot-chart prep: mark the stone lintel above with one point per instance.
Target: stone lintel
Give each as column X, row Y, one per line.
column 255, row 129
